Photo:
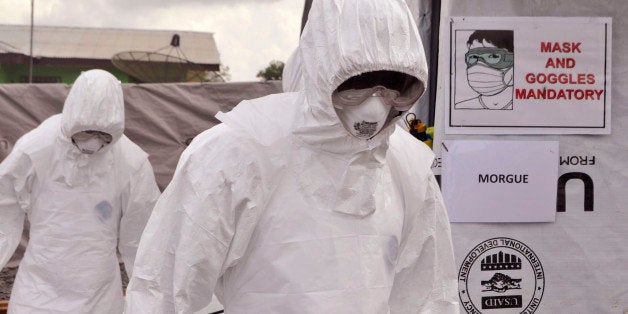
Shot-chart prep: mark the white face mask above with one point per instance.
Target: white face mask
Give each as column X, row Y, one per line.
column 90, row 146
column 488, row 81
column 366, row 119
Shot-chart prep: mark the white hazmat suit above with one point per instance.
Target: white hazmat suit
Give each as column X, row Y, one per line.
column 81, row 207
column 292, row 77
column 281, row 210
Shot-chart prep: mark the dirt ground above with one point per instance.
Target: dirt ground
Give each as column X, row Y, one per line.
column 7, row 276
column 6, row 282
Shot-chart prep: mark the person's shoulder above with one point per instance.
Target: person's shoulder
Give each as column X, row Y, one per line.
column 220, row 155
column 277, row 99
column 406, row 148
column 218, row 135
column 265, row 119
column 130, row 153
column 40, row 138
column 266, row 106
column 249, row 134
column 218, row 144
column 34, row 147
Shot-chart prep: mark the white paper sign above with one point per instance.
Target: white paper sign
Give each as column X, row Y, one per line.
column 529, row 76
column 500, row 181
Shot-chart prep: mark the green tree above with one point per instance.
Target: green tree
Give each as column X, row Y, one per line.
column 273, row 71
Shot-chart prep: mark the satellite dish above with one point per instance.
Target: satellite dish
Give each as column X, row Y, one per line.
column 165, row 65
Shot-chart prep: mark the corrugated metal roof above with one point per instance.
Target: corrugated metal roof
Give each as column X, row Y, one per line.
column 103, row 43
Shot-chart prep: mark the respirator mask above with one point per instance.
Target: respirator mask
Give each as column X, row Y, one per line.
column 89, row 142
column 366, row 103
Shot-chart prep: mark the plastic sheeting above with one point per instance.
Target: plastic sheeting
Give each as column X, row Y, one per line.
column 161, row 118
column 580, row 262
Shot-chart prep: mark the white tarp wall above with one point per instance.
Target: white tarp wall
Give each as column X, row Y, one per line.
column 579, row 263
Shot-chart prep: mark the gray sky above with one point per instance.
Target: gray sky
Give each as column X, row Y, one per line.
column 249, row 33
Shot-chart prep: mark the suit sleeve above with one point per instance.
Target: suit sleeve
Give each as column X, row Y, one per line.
column 142, row 196
column 425, row 279
column 189, row 240
column 16, row 177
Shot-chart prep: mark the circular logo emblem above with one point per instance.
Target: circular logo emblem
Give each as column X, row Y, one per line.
column 501, row 274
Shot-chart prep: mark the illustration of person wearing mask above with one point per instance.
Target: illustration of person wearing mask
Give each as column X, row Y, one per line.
column 490, row 69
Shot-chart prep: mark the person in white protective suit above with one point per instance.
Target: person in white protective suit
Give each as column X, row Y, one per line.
column 311, row 201
column 86, row 190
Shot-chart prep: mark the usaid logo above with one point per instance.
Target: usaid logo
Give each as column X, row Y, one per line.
column 501, row 274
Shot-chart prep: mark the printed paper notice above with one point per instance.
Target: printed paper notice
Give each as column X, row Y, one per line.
column 529, row 76
column 500, row 181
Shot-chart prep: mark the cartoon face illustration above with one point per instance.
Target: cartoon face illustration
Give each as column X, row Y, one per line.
column 490, row 66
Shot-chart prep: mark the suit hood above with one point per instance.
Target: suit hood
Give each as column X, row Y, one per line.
column 95, row 102
column 346, row 38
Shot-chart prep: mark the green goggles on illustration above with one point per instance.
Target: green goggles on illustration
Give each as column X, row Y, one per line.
column 497, row 58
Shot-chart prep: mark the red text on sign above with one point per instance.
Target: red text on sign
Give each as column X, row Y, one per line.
column 565, row 47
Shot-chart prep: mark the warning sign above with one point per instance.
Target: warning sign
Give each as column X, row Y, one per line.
column 529, row 76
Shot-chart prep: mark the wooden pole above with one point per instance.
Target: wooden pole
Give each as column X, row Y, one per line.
column 30, row 65
column 306, row 11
